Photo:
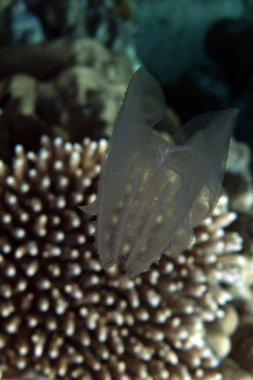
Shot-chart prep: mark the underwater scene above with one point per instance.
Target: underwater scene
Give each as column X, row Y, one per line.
column 126, row 190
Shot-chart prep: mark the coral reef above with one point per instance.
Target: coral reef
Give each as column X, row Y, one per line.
column 73, row 89
column 62, row 316
column 238, row 183
column 44, row 61
column 31, row 21
column 238, row 179
column 241, row 348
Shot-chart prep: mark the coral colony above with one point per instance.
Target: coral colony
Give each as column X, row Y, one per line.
column 62, row 316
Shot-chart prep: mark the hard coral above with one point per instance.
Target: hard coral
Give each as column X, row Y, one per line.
column 62, row 316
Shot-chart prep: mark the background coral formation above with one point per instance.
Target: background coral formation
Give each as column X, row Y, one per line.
column 77, row 94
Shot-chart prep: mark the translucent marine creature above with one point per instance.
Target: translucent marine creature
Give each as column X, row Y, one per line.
column 152, row 193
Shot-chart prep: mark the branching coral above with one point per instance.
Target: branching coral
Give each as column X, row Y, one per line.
column 61, row 316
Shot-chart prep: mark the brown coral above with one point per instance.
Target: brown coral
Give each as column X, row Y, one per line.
column 61, row 316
